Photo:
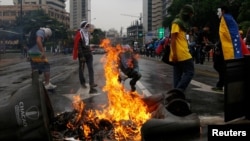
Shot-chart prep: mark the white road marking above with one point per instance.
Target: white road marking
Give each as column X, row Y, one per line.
column 145, row 91
column 203, row 87
column 83, row 93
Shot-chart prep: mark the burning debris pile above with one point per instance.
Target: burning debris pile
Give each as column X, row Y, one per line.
column 84, row 125
column 120, row 119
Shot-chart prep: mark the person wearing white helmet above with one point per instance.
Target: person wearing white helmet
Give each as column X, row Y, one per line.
column 47, row 31
column 83, row 52
column 38, row 60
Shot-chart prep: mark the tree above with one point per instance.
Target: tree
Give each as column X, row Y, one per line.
column 98, row 35
column 243, row 16
column 38, row 18
column 206, row 13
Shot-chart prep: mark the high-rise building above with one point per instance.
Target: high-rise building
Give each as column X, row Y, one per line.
column 152, row 15
column 154, row 11
column 79, row 11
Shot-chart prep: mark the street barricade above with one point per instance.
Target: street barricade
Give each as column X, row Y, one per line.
column 27, row 114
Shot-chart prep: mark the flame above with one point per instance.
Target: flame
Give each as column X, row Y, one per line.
column 125, row 110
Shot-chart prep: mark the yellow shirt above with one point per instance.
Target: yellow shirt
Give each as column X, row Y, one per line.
column 182, row 49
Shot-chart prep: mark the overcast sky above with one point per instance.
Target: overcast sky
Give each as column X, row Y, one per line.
column 107, row 14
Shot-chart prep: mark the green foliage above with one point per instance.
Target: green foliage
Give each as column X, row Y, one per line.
column 38, row 18
column 97, row 36
column 206, row 13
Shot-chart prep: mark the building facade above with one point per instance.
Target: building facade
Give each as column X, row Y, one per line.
column 135, row 33
column 54, row 8
column 154, row 11
column 79, row 11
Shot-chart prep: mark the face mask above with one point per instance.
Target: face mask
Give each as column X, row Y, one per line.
column 186, row 18
column 219, row 12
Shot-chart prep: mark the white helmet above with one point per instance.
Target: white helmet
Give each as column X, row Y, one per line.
column 47, row 31
column 84, row 24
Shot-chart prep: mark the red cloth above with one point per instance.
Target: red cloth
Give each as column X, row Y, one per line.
column 76, row 44
column 244, row 47
column 161, row 46
column 159, row 49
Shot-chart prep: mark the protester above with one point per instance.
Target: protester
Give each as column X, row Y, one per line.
column 183, row 70
column 192, row 38
column 163, row 43
column 231, row 44
column 83, row 52
column 243, row 44
column 229, row 35
column 129, row 66
column 204, row 44
column 247, row 38
column 219, row 66
column 37, row 56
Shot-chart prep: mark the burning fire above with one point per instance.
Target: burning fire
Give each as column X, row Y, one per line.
column 125, row 110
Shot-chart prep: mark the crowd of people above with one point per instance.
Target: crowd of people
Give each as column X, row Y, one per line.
column 202, row 46
column 189, row 45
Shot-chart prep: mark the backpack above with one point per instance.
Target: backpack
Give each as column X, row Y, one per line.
column 166, row 53
column 32, row 38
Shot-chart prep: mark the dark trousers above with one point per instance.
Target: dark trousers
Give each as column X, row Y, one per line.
column 88, row 59
column 135, row 76
column 220, row 69
column 183, row 74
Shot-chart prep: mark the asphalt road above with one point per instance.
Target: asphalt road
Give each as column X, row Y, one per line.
column 157, row 79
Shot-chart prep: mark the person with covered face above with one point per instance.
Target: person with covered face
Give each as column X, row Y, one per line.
column 229, row 34
column 37, row 56
column 230, row 45
column 129, row 66
column 183, row 68
column 83, row 52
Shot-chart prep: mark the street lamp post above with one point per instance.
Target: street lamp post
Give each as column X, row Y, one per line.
column 21, row 26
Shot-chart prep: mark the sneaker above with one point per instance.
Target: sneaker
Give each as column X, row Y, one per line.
column 93, row 91
column 133, row 88
column 93, row 85
column 50, row 86
column 217, row 89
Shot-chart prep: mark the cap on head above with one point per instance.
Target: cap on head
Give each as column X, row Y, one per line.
column 187, row 9
column 84, row 24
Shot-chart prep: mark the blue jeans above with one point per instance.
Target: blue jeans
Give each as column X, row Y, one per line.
column 88, row 59
column 183, row 74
